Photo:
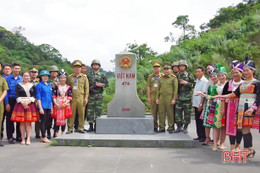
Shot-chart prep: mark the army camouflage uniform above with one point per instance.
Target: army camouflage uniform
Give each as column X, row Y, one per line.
column 3, row 87
column 167, row 91
column 54, row 82
column 96, row 96
column 183, row 103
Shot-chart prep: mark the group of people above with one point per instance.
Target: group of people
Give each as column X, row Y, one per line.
column 229, row 107
column 50, row 99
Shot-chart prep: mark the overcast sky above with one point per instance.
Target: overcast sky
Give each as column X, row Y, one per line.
column 99, row 29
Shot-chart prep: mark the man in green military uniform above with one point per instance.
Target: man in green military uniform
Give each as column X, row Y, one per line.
column 80, row 92
column 3, row 92
column 152, row 85
column 35, row 80
column 54, row 71
column 175, row 68
column 97, row 81
column 166, row 97
column 183, row 103
column 53, row 80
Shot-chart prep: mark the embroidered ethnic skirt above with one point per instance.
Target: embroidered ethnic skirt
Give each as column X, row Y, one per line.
column 245, row 102
column 231, row 128
column 25, row 115
column 209, row 114
column 61, row 114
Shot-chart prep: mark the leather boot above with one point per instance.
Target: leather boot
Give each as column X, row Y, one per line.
column 91, row 129
column 179, row 129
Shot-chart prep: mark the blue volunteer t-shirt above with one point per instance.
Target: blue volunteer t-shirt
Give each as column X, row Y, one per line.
column 44, row 93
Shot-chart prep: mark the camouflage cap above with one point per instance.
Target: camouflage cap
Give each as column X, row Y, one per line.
column 167, row 65
column 77, row 63
column 183, row 62
column 156, row 63
column 176, row 63
column 95, row 61
column 53, row 68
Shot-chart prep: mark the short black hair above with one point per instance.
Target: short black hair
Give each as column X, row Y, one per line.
column 202, row 68
column 25, row 72
column 15, row 64
column 211, row 64
column 8, row 65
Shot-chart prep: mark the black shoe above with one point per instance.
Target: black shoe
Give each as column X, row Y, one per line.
column 155, row 130
column 37, row 136
column 202, row 139
column 91, row 128
column 11, row 141
column 196, row 139
column 161, row 131
column 49, row 137
column 171, row 131
column 69, row 132
column 185, row 129
column 81, row 131
column 178, row 130
column 1, row 145
column 18, row 140
column 85, row 130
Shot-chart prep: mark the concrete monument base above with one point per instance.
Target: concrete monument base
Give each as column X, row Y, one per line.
column 125, row 125
column 159, row 140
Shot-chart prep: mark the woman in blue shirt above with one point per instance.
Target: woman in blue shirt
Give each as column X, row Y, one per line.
column 44, row 97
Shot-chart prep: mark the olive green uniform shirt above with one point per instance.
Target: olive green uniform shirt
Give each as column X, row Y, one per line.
column 152, row 83
column 79, row 86
column 3, row 87
column 167, row 87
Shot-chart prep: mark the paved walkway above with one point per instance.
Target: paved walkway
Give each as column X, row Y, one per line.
column 42, row 158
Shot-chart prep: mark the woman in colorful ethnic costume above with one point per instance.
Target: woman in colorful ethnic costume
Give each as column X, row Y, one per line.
column 209, row 113
column 25, row 110
column 219, row 133
column 62, row 95
column 249, row 101
column 235, row 136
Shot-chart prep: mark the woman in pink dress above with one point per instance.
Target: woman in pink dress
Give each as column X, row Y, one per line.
column 62, row 95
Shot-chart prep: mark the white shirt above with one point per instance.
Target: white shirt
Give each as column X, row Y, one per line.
column 201, row 85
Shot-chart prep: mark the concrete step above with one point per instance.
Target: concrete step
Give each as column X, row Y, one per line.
column 156, row 140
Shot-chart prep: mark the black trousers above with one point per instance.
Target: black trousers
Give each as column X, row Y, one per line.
column 45, row 121
column 57, row 128
column 9, row 123
column 199, row 124
column 236, row 139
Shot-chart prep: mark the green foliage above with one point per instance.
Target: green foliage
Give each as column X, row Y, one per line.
column 231, row 35
column 14, row 47
column 182, row 23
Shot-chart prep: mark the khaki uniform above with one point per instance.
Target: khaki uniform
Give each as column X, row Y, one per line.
column 80, row 91
column 3, row 87
column 167, row 91
column 152, row 83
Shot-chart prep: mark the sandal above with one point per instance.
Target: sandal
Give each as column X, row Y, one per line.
column 207, row 141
